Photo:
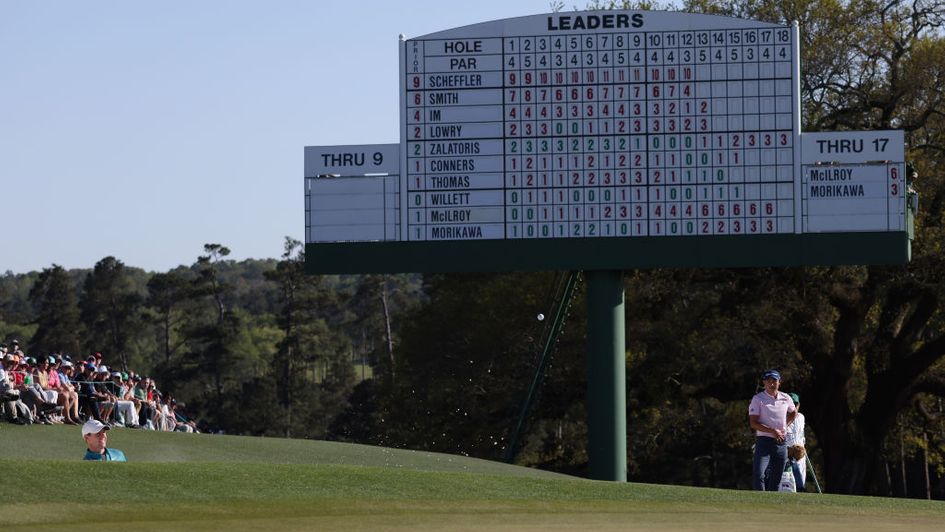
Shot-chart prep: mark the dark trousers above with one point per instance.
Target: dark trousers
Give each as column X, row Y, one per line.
column 768, row 464
column 90, row 405
column 798, row 478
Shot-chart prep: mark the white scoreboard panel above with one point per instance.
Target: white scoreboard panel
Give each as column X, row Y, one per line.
column 601, row 124
column 352, row 193
column 853, row 181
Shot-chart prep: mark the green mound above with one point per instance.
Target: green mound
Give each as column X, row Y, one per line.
column 65, row 443
column 203, row 482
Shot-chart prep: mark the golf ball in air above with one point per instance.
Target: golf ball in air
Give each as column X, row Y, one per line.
column 541, row 317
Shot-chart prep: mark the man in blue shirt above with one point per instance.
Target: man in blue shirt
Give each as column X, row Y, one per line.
column 88, row 393
column 95, row 434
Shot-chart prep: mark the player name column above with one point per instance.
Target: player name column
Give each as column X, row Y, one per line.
column 454, row 122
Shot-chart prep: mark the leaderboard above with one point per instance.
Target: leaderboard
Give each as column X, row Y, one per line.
column 584, row 125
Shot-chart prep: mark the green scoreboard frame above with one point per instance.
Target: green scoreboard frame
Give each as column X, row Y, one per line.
column 607, row 140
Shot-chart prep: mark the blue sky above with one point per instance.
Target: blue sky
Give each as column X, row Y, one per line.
column 144, row 130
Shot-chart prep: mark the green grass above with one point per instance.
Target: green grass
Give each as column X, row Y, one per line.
column 202, row 482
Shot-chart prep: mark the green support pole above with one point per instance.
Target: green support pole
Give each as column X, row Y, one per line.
column 606, row 376
column 561, row 309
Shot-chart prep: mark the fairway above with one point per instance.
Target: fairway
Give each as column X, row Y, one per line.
column 203, row 482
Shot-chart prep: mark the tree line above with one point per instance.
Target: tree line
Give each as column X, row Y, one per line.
column 251, row 347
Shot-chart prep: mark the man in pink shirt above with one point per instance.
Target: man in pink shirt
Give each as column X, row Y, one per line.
column 769, row 414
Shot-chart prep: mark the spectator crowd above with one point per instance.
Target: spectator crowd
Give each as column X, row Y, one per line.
column 57, row 389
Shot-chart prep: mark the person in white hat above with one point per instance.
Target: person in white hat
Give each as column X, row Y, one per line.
column 68, row 393
column 106, row 399
column 16, row 411
column 95, row 434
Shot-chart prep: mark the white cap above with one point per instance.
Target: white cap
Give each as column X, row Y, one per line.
column 93, row 426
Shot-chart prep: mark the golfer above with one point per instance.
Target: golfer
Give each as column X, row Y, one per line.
column 95, row 434
column 769, row 414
